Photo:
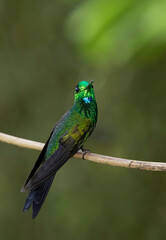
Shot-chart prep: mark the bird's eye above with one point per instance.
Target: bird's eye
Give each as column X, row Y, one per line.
column 77, row 89
column 92, row 86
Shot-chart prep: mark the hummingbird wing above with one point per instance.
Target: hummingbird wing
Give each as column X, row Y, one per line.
column 38, row 162
column 69, row 144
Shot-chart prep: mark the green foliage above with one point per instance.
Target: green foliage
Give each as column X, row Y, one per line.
column 46, row 48
column 118, row 30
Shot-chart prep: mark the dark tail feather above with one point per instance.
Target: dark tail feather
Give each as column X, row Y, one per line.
column 37, row 197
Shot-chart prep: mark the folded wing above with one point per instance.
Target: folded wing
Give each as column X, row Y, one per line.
column 69, row 144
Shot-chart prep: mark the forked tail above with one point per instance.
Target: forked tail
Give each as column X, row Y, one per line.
column 37, row 197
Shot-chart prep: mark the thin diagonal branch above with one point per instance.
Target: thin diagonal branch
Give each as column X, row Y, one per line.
column 113, row 161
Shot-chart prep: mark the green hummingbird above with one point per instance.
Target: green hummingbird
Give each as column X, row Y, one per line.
column 66, row 138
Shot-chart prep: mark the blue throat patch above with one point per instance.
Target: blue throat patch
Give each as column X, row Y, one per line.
column 87, row 99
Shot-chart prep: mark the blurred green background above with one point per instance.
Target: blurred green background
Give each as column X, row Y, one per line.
column 46, row 48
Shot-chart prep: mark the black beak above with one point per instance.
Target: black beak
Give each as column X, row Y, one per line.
column 89, row 84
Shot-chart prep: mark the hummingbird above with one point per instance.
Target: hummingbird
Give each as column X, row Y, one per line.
column 67, row 137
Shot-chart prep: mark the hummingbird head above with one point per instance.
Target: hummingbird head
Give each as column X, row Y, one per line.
column 84, row 92
column 85, row 102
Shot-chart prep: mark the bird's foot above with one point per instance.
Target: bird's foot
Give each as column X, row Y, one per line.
column 84, row 152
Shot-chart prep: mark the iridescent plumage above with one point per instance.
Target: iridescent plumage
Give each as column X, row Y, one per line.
column 66, row 138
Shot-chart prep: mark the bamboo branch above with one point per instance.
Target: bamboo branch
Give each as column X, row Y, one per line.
column 113, row 161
